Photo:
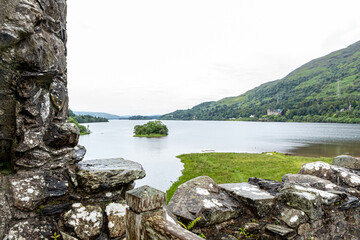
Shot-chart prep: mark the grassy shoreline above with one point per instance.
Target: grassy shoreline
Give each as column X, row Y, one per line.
column 238, row 167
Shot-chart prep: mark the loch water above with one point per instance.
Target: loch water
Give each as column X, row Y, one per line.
column 158, row 155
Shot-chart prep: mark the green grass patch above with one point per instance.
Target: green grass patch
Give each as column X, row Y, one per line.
column 151, row 135
column 239, row 167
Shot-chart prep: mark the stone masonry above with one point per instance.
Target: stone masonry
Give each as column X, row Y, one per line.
column 320, row 202
column 43, row 191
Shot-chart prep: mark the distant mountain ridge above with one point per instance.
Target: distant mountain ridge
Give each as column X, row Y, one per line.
column 101, row 114
column 113, row 116
column 326, row 89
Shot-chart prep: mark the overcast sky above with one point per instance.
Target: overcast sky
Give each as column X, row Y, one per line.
column 147, row 57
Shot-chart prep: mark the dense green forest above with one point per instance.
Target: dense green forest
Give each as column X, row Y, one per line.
column 326, row 89
column 86, row 118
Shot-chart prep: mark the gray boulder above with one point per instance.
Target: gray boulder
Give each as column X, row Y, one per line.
column 202, row 197
column 107, row 174
column 260, row 201
column 347, row 162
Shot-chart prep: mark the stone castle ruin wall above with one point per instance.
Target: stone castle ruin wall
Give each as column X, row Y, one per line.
column 46, row 190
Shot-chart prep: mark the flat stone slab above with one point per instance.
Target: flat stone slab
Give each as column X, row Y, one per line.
column 282, row 231
column 107, row 174
column 259, row 200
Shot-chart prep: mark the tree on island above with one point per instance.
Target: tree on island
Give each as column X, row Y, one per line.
column 151, row 129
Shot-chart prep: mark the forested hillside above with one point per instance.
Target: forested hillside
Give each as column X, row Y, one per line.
column 86, row 118
column 326, row 89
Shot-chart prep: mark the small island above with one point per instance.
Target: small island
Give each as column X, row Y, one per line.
column 151, row 129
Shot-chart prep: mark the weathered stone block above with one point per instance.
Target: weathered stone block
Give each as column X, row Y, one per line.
column 202, row 197
column 62, row 135
column 31, row 189
column 87, row 221
column 310, row 203
column 270, row 186
column 79, row 153
column 260, row 201
column 33, row 159
column 136, row 222
column 280, row 230
column 115, row 213
column 145, row 199
column 293, row 217
column 55, row 209
column 304, row 229
column 107, row 174
column 326, row 197
column 31, row 139
column 58, row 94
column 31, row 229
column 338, row 175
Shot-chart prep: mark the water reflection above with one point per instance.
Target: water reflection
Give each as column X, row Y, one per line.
column 327, row 149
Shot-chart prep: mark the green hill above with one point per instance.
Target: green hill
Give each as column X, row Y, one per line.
column 326, row 89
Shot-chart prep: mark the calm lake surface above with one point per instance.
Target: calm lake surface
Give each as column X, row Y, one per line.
column 158, row 155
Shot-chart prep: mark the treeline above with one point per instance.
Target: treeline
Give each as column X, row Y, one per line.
column 141, row 117
column 86, row 118
column 331, row 110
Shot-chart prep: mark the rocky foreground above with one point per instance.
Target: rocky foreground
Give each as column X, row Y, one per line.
column 320, row 202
